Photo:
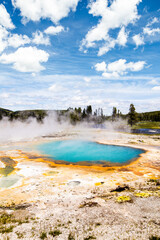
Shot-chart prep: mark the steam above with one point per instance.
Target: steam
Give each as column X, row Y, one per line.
column 16, row 130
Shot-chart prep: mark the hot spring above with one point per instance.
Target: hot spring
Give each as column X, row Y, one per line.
column 77, row 151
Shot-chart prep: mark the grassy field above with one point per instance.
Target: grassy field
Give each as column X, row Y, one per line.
column 146, row 124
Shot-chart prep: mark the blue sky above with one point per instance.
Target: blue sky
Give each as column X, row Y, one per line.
column 56, row 54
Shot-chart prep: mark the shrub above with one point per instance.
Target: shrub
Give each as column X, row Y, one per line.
column 154, row 238
column 43, row 235
column 55, row 233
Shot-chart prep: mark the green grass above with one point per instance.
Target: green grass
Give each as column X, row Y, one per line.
column 147, row 124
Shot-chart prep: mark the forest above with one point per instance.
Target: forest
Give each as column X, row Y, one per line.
column 76, row 115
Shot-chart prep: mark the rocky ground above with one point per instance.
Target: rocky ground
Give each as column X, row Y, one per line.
column 52, row 201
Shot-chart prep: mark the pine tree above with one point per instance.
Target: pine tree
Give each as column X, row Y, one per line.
column 114, row 113
column 132, row 115
column 84, row 113
column 89, row 110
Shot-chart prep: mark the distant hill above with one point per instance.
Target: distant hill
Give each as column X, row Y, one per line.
column 5, row 113
column 23, row 115
column 146, row 116
column 149, row 116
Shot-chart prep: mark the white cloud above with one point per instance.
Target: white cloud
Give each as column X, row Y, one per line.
column 3, row 37
column 5, row 19
column 122, row 37
column 101, row 67
column 54, row 30
column 156, row 88
column 119, row 68
column 33, row 74
column 118, row 15
column 110, row 75
column 151, row 32
column 100, row 93
column 55, row 10
column 111, row 43
column 15, row 40
column 153, row 21
column 153, row 82
column 56, row 89
column 4, row 95
column 87, row 79
column 39, row 38
column 8, row 39
column 53, row 88
column 147, row 34
column 26, row 59
column 138, row 40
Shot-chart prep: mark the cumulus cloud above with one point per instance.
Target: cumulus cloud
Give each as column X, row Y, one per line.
column 101, row 67
column 8, row 39
column 138, row 40
column 153, row 21
column 55, row 10
column 5, row 19
column 15, row 40
column 26, row 59
column 151, row 31
column 54, row 30
column 3, row 37
column 122, row 37
column 118, row 14
column 111, row 42
column 156, row 88
column 119, row 68
column 147, row 34
column 39, row 38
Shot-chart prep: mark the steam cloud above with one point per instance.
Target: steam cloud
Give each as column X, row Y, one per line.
column 16, row 130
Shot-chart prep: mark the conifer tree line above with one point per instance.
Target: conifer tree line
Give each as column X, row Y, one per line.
column 98, row 116
column 75, row 115
column 134, row 117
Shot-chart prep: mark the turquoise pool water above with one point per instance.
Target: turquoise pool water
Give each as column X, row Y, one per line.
column 75, row 151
